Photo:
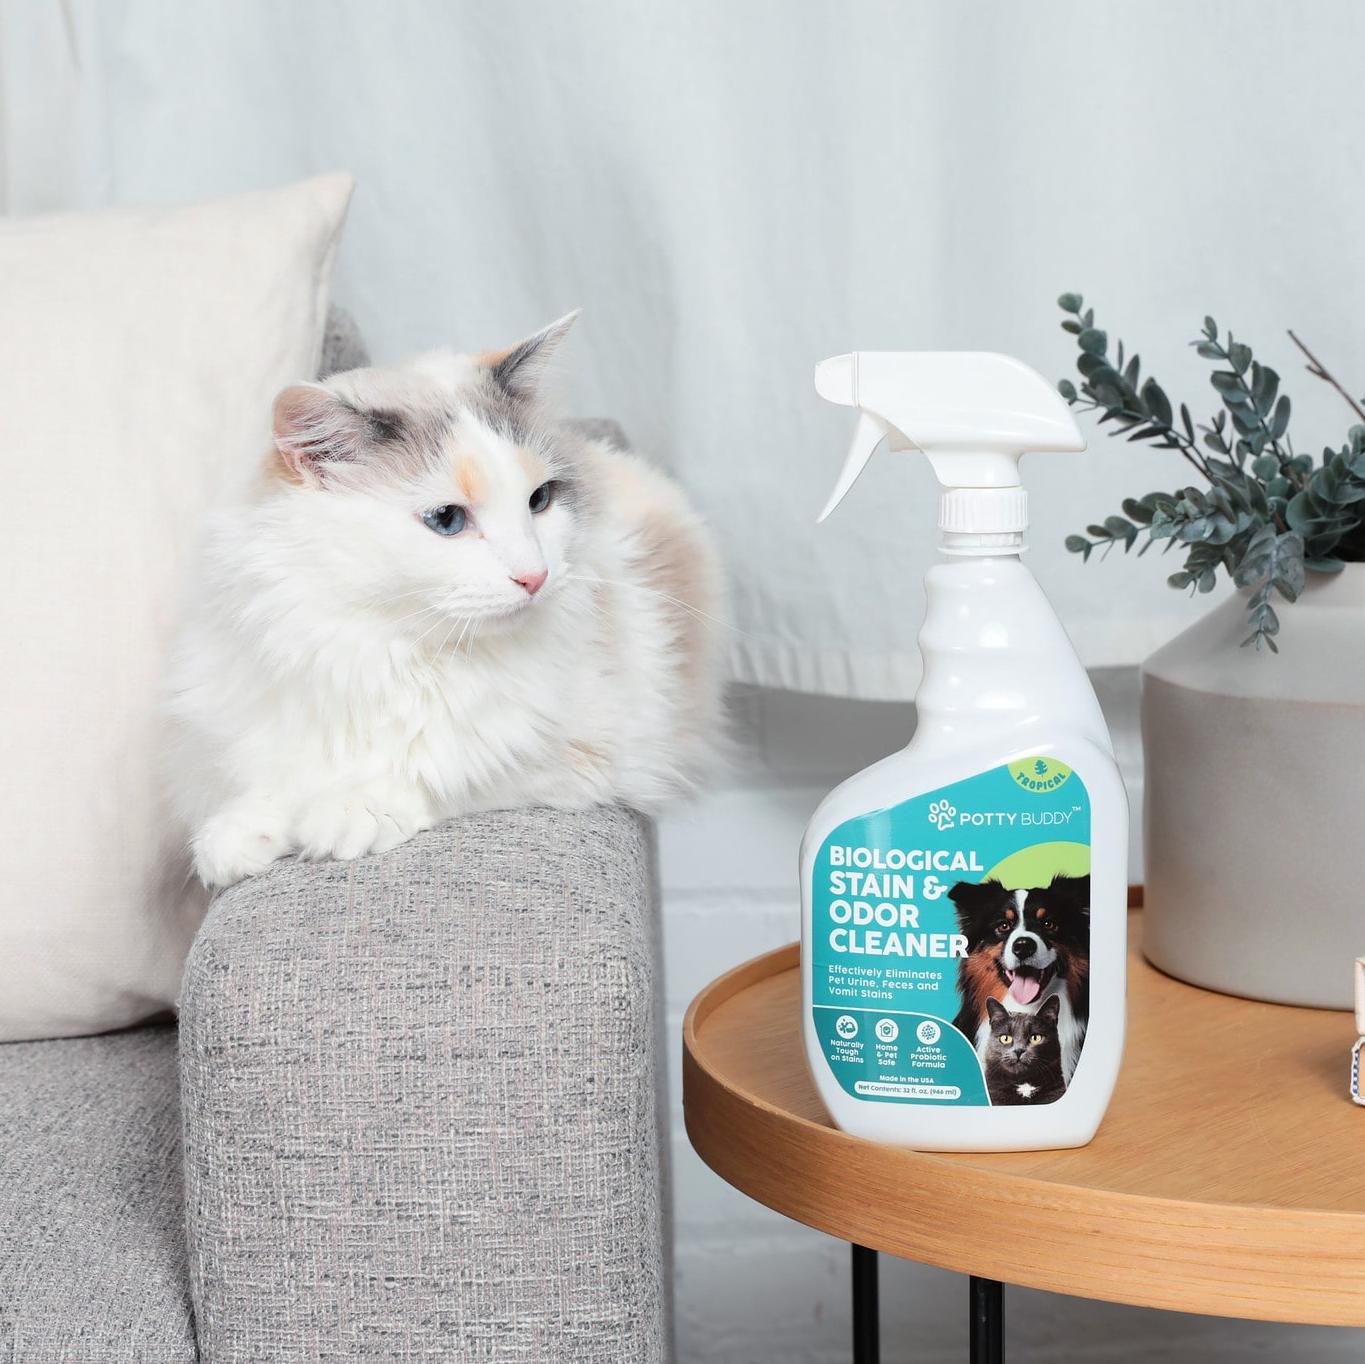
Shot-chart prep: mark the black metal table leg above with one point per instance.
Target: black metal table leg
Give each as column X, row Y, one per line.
column 988, row 1321
column 867, row 1346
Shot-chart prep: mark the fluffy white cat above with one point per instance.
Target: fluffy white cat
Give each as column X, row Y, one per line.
column 438, row 600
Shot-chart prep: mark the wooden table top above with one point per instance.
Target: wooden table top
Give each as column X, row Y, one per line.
column 1228, row 1176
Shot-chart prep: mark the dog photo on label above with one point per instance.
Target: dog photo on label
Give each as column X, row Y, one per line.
column 1024, row 948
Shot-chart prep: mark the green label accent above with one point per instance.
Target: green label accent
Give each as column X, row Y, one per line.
column 909, row 944
column 1042, row 776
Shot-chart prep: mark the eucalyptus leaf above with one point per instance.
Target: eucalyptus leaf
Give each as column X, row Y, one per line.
column 1302, row 512
column 1264, row 387
column 1156, row 402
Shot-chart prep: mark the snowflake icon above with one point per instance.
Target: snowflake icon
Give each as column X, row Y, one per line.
column 942, row 814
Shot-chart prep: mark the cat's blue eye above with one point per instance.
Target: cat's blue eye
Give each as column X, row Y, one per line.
column 542, row 497
column 447, row 520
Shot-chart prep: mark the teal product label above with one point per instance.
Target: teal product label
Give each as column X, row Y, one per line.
column 950, row 941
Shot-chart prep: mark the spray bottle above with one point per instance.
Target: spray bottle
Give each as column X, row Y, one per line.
column 964, row 900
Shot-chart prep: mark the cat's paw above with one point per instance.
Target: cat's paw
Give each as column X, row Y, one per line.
column 354, row 823
column 238, row 842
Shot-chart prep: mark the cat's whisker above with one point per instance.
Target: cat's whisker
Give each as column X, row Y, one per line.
column 435, row 624
column 380, row 602
column 445, row 639
column 654, row 591
column 414, row 615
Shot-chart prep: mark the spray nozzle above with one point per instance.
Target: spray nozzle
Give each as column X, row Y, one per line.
column 972, row 413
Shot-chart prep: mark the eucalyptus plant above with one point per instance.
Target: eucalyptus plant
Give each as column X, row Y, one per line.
column 1263, row 514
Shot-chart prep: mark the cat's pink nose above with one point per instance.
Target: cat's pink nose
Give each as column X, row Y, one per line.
column 532, row 582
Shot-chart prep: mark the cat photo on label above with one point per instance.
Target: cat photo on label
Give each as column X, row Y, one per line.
column 439, row 598
column 1023, row 1054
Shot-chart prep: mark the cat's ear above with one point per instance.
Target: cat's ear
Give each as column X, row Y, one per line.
column 518, row 369
column 996, row 1012
column 1050, row 1008
column 315, row 428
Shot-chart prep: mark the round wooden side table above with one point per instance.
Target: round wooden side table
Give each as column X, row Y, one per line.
column 1227, row 1178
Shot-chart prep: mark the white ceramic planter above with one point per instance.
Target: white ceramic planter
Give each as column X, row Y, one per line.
column 1255, row 799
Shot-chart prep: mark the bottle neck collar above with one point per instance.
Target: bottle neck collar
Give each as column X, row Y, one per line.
column 982, row 544
column 983, row 520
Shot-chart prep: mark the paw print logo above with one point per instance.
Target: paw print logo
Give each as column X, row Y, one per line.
column 942, row 814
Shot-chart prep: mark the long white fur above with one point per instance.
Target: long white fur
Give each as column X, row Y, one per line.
column 346, row 677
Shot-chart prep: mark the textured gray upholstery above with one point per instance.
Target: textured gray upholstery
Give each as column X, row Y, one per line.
column 92, row 1239
column 420, row 1106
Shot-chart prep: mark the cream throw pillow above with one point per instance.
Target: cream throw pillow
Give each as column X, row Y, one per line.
column 140, row 350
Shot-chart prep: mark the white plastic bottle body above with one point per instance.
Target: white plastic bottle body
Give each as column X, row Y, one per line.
column 1001, row 683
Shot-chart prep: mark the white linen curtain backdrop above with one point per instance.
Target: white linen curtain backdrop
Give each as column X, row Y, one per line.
column 734, row 189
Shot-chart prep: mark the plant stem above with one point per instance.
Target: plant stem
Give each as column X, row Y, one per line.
column 1315, row 368
column 1182, row 442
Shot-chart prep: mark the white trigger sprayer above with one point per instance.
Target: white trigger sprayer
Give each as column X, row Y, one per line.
column 972, row 413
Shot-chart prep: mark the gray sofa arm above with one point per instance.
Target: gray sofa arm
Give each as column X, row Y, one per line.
column 419, row 1102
